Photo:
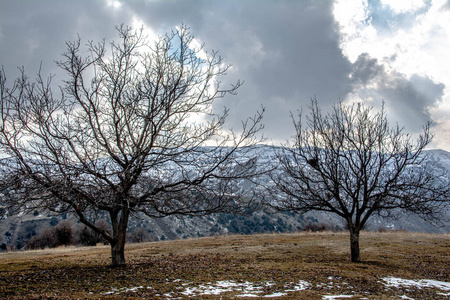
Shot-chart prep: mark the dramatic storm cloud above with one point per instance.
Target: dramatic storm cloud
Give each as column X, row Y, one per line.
column 286, row 52
column 407, row 99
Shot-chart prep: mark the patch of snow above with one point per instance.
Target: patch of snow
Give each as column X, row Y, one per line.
column 399, row 282
column 332, row 297
column 248, row 289
column 222, row 287
column 115, row 291
column 189, row 291
column 274, row 295
column 302, row 285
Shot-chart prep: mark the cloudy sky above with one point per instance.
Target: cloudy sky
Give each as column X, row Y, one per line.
column 285, row 51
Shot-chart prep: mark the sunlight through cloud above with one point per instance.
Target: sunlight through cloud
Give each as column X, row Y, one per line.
column 114, row 3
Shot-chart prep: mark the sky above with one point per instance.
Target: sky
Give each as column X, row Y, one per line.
column 286, row 51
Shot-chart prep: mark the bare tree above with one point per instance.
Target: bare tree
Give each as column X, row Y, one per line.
column 139, row 235
column 350, row 162
column 130, row 132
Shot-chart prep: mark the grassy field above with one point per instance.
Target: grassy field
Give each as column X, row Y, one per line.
column 281, row 266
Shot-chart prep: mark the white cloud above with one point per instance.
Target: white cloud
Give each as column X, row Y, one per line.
column 351, row 16
column 138, row 23
column 114, row 3
column 399, row 6
column 197, row 45
column 417, row 48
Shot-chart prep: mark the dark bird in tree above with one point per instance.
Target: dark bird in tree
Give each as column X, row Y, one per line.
column 351, row 163
column 130, row 132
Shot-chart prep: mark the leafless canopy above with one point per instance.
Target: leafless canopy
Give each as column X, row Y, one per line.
column 350, row 162
column 130, row 131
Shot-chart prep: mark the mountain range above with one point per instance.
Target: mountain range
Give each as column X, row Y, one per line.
column 16, row 230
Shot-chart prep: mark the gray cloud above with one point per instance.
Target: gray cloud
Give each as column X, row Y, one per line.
column 365, row 69
column 35, row 31
column 410, row 100
column 285, row 51
column 407, row 100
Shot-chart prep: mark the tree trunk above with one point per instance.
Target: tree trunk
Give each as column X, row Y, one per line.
column 118, row 255
column 119, row 226
column 354, row 245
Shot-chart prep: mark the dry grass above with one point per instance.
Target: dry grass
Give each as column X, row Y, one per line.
column 274, row 262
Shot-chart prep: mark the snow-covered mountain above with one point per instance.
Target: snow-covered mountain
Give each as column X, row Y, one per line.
column 437, row 161
column 14, row 230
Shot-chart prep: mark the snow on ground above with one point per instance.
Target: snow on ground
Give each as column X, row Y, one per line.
column 115, row 291
column 247, row 289
column 253, row 290
column 223, row 286
column 274, row 295
column 423, row 283
column 398, row 282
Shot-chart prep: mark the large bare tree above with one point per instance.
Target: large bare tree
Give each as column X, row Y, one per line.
column 351, row 163
column 131, row 131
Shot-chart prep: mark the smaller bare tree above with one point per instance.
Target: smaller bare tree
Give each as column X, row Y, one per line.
column 351, row 163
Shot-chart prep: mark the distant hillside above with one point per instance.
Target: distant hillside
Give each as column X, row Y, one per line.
column 16, row 230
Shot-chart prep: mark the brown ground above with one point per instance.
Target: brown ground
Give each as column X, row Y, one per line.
column 271, row 263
